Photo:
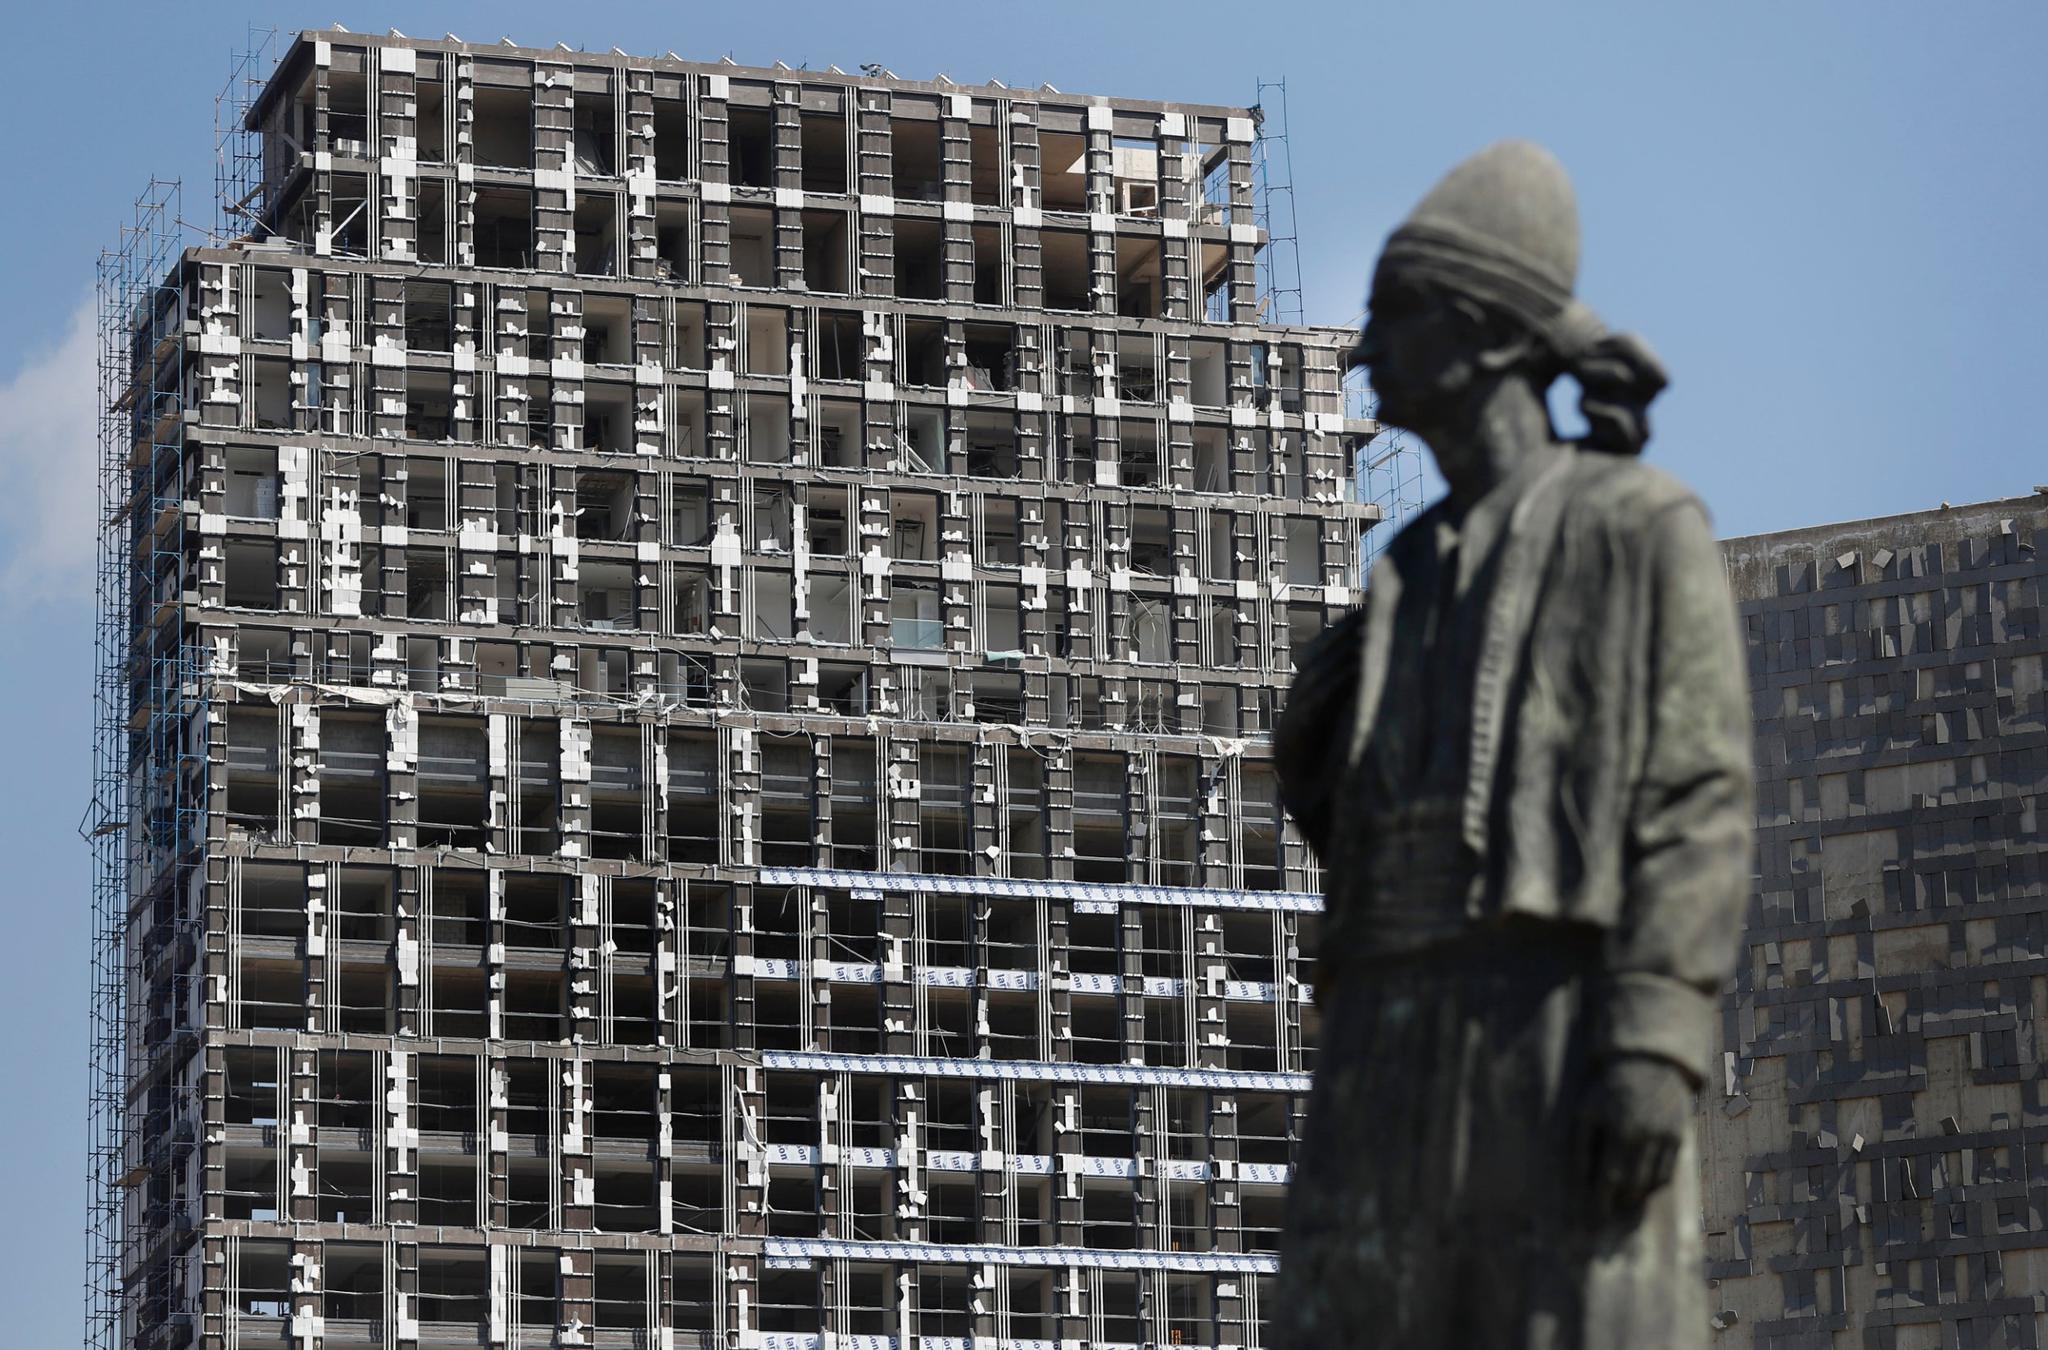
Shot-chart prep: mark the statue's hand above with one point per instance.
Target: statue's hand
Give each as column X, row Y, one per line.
column 1630, row 1127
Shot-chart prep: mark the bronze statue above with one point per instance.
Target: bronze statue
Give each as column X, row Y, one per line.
column 1524, row 763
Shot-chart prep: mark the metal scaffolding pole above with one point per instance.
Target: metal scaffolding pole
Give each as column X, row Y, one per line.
column 134, row 321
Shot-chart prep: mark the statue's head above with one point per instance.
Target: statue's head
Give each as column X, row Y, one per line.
column 1476, row 285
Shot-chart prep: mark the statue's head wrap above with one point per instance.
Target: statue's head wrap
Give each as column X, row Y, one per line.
column 1502, row 229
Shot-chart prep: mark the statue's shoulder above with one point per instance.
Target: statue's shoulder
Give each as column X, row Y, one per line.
column 1622, row 492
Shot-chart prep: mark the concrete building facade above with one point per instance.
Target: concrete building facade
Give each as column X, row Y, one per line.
column 685, row 654
column 1876, row 1156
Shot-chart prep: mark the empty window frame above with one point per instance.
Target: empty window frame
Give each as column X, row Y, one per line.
column 991, row 264
column 268, row 993
column 1134, row 169
column 920, row 259
column 671, row 136
column 621, row 1289
column 607, row 330
column 347, row 1095
column 351, row 1288
column 855, row 819
column 822, row 131
column 689, row 512
column 1063, row 171
column 503, row 112
column 254, row 787
column 263, row 1287
column 988, row 158
column 426, row 583
column 449, row 1189
column 673, row 231
column 750, row 143
column 353, row 807
column 429, row 316
column 253, row 1085
column 693, row 798
column 752, row 248
column 840, row 442
column 913, row 527
column 536, row 790
column 992, row 445
column 454, row 1290
column 252, row 482
column 915, row 619
column 944, row 828
column 768, row 429
column 608, row 417
column 618, row 807
column 270, row 311
column 789, row 1301
column 433, row 228
column 605, row 506
column 839, row 343
column 1002, row 639
column 596, row 141
column 606, row 597
column 350, row 232
column 693, row 611
column 924, row 352
column 991, row 353
column 504, row 227
column 1064, row 260
column 828, row 251
column 925, row 445
column 534, row 1005
column 1259, row 829
column 1152, row 541
column 1139, row 280
column 1176, row 855
column 832, row 601
column 787, row 827
column 767, row 336
column 914, row 161
column 454, row 783
column 1100, row 832
column 249, row 573
column 1024, row 813
column 447, row 1094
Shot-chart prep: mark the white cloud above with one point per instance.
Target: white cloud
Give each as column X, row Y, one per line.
column 49, row 457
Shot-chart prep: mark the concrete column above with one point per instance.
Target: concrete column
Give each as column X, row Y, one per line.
column 636, row 102
column 411, row 902
column 396, row 144
column 875, row 184
column 554, row 167
column 586, row 967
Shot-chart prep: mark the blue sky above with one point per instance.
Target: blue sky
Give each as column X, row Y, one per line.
column 1826, row 218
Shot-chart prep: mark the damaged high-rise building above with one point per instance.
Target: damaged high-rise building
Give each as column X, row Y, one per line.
column 685, row 660
column 1876, row 1145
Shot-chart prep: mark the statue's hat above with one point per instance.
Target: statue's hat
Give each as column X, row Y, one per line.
column 1501, row 228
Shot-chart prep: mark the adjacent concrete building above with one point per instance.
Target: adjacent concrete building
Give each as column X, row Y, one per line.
column 1876, row 1157
column 684, row 658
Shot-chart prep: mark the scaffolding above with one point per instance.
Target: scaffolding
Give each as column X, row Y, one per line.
column 146, row 822
column 136, row 412
column 1273, row 195
column 147, row 819
column 239, row 183
column 1387, row 472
